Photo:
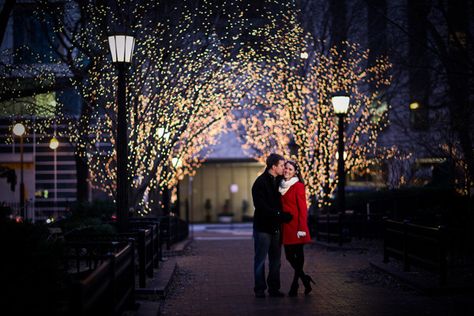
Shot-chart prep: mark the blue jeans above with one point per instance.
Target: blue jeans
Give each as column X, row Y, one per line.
column 267, row 244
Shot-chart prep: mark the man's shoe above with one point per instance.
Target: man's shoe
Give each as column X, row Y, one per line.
column 260, row 295
column 275, row 294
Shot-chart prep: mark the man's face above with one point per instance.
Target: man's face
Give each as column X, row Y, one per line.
column 279, row 168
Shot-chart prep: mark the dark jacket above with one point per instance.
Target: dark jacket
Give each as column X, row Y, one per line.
column 267, row 202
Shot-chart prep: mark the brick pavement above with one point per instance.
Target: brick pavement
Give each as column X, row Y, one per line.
column 215, row 277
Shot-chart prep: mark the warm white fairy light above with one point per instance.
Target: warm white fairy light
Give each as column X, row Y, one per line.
column 295, row 103
column 186, row 83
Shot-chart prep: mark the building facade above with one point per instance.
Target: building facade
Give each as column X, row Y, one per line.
column 50, row 178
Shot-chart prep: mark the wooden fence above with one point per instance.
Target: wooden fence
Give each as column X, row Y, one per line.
column 332, row 228
column 103, row 284
column 104, row 266
column 416, row 245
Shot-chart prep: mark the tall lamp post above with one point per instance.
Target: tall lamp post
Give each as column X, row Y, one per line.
column 121, row 49
column 340, row 104
column 19, row 130
column 54, row 144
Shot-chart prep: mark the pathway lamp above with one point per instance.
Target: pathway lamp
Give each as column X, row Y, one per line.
column 121, row 50
column 340, row 104
column 19, row 130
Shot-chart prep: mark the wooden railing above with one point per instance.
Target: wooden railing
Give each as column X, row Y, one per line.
column 365, row 226
column 154, row 252
column 143, row 246
column 172, row 228
column 416, row 245
column 103, row 269
column 331, row 228
column 104, row 284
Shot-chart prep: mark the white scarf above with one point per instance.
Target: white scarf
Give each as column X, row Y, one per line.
column 285, row 185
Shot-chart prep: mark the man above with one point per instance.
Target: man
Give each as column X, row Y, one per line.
column 267, row 227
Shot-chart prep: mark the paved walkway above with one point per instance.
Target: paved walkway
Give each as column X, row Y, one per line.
column 215, row 277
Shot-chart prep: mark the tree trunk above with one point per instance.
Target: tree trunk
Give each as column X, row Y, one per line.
column 82, row 171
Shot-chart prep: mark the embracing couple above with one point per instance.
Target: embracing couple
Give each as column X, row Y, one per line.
column 280, row 218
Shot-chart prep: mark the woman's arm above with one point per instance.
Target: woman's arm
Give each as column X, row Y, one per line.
column 301, row 205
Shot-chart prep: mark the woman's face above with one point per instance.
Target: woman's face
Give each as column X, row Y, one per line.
column 289, row 171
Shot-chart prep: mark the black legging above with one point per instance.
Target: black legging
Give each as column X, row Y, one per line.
column 295, row 256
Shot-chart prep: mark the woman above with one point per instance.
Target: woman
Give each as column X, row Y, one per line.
column 295, row 233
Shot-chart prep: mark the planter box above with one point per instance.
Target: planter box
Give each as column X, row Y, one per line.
column 225, row 218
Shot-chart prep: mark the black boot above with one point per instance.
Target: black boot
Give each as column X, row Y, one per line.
column 307, row 280
column 294, row 288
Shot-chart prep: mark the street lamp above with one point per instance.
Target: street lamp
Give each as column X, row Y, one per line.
column 54, row 144
column 177, row 162
column 121, row 49
column 162, row 132
column 340, row 104
column 19, row 130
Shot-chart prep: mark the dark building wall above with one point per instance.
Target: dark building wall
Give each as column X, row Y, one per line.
column 419, row 60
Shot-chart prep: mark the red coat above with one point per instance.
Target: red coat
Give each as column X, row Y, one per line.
column 294, row 202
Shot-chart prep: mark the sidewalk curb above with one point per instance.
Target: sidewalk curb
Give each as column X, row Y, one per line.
column 159, row 285
column 178, row 248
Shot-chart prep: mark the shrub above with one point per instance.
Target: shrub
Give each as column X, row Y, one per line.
column 90, row 218
column 31, row 270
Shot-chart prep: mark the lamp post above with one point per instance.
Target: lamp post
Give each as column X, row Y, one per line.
column 340, row 104
column 121, row 49
column 54, row 144
column 19, row 130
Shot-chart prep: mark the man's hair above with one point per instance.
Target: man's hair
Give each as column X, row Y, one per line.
column 273, row 160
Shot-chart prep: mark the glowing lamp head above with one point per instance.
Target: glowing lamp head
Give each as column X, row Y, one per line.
column 340, row 104
column 344, row 156
column 176, row 162
column 304, row 55
column 234, row 188
column 121, row 48
column 54, row 143
column 19, row 129
column 414, row 105
column 163, row 133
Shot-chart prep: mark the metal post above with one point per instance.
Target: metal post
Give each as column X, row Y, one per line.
column 406, row 259
column 341, row 201
column 190, row 203
column 326, row 200
column 385, row 240
column 340, row 167
column 55, row 180
column 31, row 206
column 443, row 264
column 22, row 183
column 122, row 152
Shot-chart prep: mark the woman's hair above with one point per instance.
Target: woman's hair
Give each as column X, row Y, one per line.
column 297, row 169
